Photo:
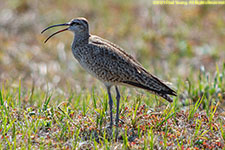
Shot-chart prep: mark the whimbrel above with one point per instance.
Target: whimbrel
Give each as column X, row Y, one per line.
column 110, row 64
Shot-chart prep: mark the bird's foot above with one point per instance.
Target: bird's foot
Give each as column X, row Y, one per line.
column 109, row 131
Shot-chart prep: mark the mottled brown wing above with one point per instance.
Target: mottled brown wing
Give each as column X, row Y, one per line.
column 119, row 67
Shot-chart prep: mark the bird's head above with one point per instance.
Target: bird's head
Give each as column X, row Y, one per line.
column 77, row 26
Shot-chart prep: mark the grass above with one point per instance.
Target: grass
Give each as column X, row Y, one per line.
column 48, row 102
column 80, row 121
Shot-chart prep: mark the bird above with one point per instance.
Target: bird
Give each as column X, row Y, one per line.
column 110, row 64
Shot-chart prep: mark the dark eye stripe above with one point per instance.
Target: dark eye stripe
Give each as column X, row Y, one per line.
column 75, row 23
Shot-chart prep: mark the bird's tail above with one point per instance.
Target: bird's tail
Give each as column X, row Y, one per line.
column 166, row 97
column 163, row 94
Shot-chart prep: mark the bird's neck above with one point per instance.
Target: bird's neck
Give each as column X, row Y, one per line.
column 80, row 39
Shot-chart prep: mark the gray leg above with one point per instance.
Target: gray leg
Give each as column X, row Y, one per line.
column 118, row 104
column 117, row 110
column 110, row 106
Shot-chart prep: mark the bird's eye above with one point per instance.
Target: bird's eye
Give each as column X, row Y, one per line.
column 74, row 23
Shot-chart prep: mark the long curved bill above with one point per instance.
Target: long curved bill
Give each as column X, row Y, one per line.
column 64, row 24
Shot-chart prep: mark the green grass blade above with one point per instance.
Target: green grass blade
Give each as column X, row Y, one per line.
column 1, row 98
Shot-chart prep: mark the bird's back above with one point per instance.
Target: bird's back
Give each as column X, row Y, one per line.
column 110, row 64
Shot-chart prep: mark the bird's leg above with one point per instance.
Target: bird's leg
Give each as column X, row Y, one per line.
column 117, row 109
column 118, row 104
column 110, row 106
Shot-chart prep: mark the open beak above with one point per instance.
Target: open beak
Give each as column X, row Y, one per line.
column 64, row 24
